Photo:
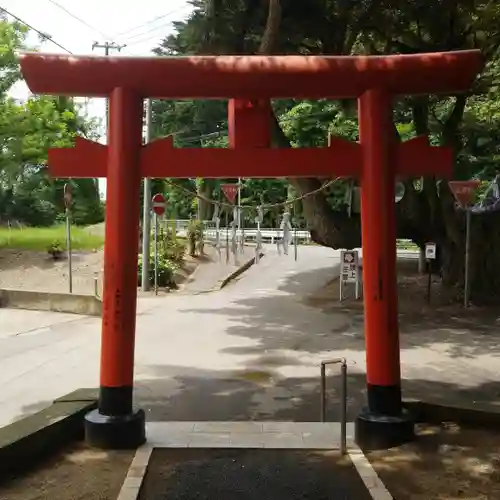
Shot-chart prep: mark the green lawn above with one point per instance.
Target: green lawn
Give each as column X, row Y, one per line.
column 41, row 238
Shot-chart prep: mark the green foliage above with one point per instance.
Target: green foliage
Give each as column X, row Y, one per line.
column 166, row 271
column 27, row 131
column 40, row 239
column 171, row 251
column 171, row 247
column 55, row 249
column 332, row 27
column 195, row 237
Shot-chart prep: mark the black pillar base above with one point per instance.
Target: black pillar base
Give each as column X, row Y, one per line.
column 124, row 432
column 377, row 432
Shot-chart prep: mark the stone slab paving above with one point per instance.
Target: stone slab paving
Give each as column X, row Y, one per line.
column 300, row 435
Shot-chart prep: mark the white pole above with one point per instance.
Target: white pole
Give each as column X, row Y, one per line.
column 239, row 203
column 156, row 253
column 467, row 252
column 68, row 245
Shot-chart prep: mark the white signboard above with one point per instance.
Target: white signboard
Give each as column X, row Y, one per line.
column 349, row 271
column 430, row 251
column 349, row 266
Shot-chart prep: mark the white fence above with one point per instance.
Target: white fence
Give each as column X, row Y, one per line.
column 268, row 235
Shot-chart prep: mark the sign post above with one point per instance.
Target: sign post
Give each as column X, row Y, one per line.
column 430, row 255
column 349, row 271
column 464, row 192
column 158, row 206
column 68, row 200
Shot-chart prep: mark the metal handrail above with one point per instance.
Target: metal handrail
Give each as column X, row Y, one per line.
column 343, row 398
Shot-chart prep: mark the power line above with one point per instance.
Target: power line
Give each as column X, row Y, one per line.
column 222, row 132
column 139, row 35
column 77, row 18
column 147, row 23
column 144, row 40
column 44, row 36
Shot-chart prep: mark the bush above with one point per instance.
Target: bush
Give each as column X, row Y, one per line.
column 55, row 250
column 166, row 271
column 170, row 247
column 171, row 253
column 195, row 237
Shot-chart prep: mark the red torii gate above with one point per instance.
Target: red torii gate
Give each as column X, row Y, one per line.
column 250, row 82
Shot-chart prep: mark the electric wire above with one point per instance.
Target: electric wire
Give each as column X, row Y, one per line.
column 79, row 19
column 120, row 35
column 43, row 35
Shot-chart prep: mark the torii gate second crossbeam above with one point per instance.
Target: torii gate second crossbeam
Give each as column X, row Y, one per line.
column 251, row 82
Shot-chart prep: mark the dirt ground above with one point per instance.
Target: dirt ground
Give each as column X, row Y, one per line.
column 413, row 304
column 412, row 293
column 77, row 473
column 250, row 474
column 445, row 463
column 28, row 270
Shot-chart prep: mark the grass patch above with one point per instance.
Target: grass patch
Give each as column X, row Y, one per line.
column 41, row 238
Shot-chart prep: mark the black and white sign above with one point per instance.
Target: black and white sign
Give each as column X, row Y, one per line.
column 430, row 251
column 349, row 271
column 349, row 266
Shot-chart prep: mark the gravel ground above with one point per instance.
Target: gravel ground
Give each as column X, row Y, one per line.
column 185, row 474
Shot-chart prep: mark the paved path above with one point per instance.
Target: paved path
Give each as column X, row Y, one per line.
column 250, row 351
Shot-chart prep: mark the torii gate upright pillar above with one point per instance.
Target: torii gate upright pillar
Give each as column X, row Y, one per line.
column 383, row 423
column 115, row 424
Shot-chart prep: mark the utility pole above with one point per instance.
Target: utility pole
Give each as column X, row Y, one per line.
column 146, row 216
column 108, row 47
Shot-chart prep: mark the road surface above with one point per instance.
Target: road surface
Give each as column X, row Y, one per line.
column 249, row 351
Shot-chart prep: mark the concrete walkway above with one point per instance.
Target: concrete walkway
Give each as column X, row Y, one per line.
column 250, row 351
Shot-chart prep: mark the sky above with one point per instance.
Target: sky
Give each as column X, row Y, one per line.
column 140, row 25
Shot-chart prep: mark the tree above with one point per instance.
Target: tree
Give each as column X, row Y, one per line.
column 467, row 122
column 27, row 130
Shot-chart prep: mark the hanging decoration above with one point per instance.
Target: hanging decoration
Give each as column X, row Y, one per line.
column 295, row 241
column 216, row 219
column 241, row 220
column 234, row 229
column 286, row 227
column 258, row 239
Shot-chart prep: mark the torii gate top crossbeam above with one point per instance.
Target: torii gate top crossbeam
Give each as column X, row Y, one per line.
column 251, row 77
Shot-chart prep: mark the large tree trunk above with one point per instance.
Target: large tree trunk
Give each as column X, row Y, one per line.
column 205, row 189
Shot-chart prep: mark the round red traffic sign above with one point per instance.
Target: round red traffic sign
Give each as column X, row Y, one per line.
column 158, row 204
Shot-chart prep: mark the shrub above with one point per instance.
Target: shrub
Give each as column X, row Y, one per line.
column 166, row 271
column 55, row 250
column 171, row 247
column 195, row 237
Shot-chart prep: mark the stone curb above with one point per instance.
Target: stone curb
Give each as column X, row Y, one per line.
column 30, row 440
column 247, row 265
column 72, row 303
column 437, row 412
